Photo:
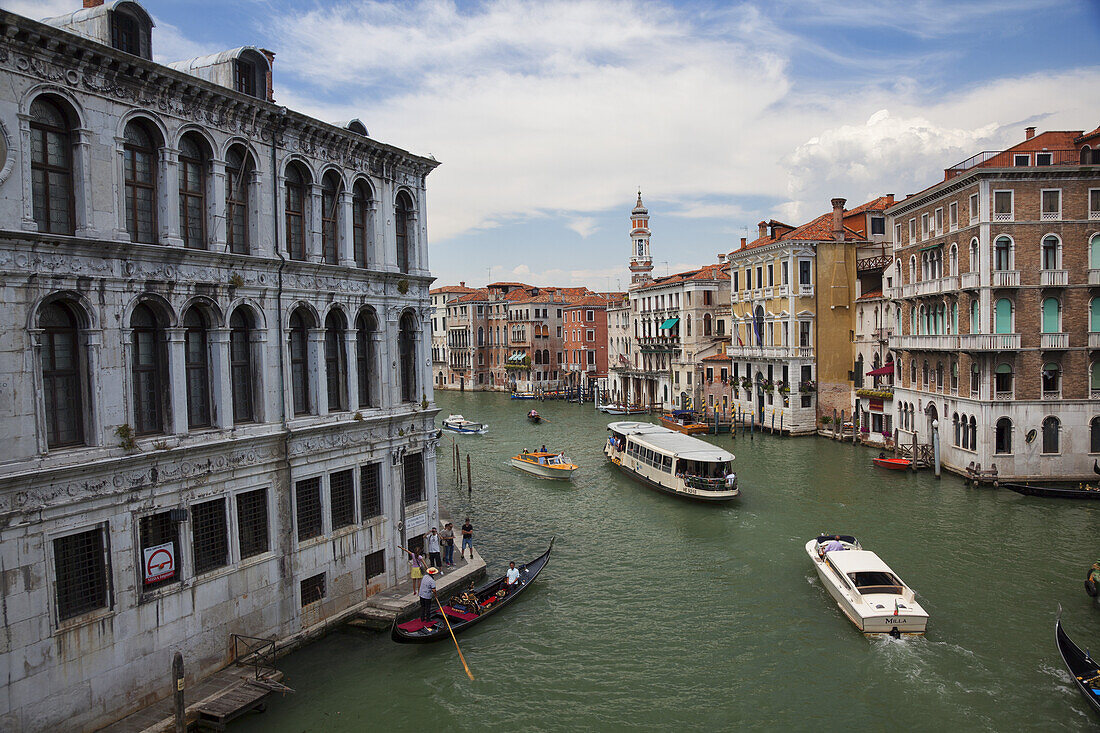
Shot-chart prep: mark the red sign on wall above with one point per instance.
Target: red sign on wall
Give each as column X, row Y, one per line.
column 160, row 562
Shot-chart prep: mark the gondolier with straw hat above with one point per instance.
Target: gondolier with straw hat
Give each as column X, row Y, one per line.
column 427, row 593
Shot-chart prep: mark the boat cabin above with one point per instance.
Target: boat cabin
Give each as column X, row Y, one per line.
column 698, row 463
column 864, row 572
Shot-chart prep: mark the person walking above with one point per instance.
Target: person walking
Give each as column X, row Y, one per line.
column 448, row 537
column 468, row 538
column 426, row 594
column 434, row 558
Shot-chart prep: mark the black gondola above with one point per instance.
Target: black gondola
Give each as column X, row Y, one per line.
column 415, row 631
column 1086, row 674
column 1055, row 492
column 534, row 417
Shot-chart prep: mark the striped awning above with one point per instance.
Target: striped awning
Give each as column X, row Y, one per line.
column 516, row 357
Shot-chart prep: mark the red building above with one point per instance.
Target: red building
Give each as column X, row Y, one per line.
column 584, row 339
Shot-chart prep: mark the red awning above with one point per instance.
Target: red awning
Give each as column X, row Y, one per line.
column 884, row 371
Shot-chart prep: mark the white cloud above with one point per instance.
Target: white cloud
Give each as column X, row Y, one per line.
column 40, row 9
column 584, row 226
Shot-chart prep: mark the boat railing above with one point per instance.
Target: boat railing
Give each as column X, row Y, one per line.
column 705, row 483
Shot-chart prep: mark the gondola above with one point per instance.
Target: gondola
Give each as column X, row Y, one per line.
column 1086, row 673
column 415, row 631
column 1054, row 492
column 534, row 417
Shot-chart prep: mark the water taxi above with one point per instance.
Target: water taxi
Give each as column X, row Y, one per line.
column 459, row 424
column 683, row 421
column 545, row 464
column 668, row 461
column 868, row 592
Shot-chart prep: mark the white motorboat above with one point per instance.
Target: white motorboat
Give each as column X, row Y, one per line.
column 672, row 462
column 459, row 424
column 618, row 409
column 869, row 593
column 545, row 464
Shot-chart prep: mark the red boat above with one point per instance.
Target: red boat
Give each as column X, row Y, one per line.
column 894, row 464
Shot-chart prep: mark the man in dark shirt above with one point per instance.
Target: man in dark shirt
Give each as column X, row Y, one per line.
column 467, row 538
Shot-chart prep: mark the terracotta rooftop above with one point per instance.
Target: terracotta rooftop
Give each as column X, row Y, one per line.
column 871, row 295
column 473, row 297
column 718, row 357
column 589, row 301
column 708, row 272
column 451, row 289
column 819, row 229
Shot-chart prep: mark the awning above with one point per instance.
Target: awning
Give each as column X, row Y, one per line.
column 669, row 324
column 516, row 357
column 931, row 246
column 883, row 371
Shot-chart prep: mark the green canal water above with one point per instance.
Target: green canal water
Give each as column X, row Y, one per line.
column 656, row 613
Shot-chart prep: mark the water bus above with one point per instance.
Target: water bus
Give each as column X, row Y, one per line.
column 683, row 421
column 671, row 462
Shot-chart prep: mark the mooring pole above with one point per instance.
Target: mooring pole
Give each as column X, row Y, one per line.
column 936, row 445
column 469, row 479
column 177, row 675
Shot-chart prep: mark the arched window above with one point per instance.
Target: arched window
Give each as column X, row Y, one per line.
column 1002, row 317
column 51, row 167
column 192, row 192
column 1051, row 429
column 299, row 361
column 1094, row 314
column 406, row 349
column 361, row 226
column 1094, row 435
column 402, row 212
column 238, row 171
column 149, row 369
column 1052, row 321
column 688, row 325
column 974, row 254
column 706, row 324
column 953, row 259
column 975, row 320
column 912, row 268
column 480, row 336
column 957, row 435
column 365, row 326
column 546, row 356
column 1002, row 437
column 538, row 356
column 954, row 317
column 1051, row 253
column 975, row 379
column 240, row 365
column 330, row 215
column 62, row 387
column 757, row 325
column 1002, row 254
column 973, row 433
column 1052, row 380
column 1002, row 381
column 140, row 181
column 1094, row 252
column 197, row 368
column 336, row 365
column 296, row 182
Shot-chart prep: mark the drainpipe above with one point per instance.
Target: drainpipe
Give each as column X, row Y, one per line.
column 276, row 129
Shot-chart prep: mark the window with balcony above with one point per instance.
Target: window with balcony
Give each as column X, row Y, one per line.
column 1051, row 208
column 897, row 233
column 1052, row 380
column 1002, row 316
column 1002, row 438
column 1051, row 251
column 1094, row 380
column 1003, row 206
column 1003, row 383
column 1094, row 203
column 975, row 380
column 1094, row 315
column 804, row 280
column 1002, row 254
column 1052, row 428
column 1052, row 316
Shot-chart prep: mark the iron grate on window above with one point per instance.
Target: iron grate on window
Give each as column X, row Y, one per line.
column 414, row 478
column 370, row 484
column 375, row 564
column 313, row 589
column 308, row 507
column 154, row 530
column 342, row 498
column 210, row 539
column 252, row 522
column 80, row 564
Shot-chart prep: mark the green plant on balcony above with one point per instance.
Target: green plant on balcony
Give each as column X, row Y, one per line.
column 807, row 386
column 881, row 394
column 784, row 388
column 768, row 385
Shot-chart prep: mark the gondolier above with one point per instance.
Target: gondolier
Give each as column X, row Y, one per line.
column 426, row 593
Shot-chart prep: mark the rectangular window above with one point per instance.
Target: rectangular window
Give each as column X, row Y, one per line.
column 341, row 491
column 1094, row 203
column 307, row 508
column 1002, row 206
column 313, row 589
column 953, row 215
column 589, row 315
column 80, row 573
column 897, row 233
column 209, row 536
column 591, row 358
column 912, row 231
column 939, row 221
column 771, row 280
column 736, row 286
column 559, row 331
column 375, row 565
column 370, row 490
column 246, row 78
column 589, row 335
column 1051, row 204
column 878, row 225
column 156, row 530
column 785, row 273
column 804, row 334
column 252, row 522
column 1021, row 159
column 804, row 273
column 1044, row 159
column 973, row 207
column 413, row 464
column 924, row 226
column 748, row 279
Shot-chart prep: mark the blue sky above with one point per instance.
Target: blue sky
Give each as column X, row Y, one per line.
column 548, row 116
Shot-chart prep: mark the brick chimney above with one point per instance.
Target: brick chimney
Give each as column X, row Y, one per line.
column 267, row 77
column 838, row 219
column 92, row 3
column 743, row 242
column 1029, row 132
column 763, row 228
column 461, row 283
column 889, row 199
column 721, row 258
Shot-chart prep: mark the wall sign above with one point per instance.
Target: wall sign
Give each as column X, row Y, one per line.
column 417, row 524
column 160, row 562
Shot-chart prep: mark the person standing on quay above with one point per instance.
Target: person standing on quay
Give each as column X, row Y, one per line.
column 416, row 571
column 468, row 538
column 426, row 593
column 448, row 536
column 433, row 549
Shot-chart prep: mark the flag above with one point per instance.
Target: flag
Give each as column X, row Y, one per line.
column 740, row 342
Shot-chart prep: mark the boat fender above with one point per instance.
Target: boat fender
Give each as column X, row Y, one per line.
column 1090, row 588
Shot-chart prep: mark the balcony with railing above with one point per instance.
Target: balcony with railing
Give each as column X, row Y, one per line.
column 1004, row 396
column 882, row 334
column 872, row 264
column 969, row 280
column 929, row 287
column 924, row 341
column 989, row 341
column 770, row 352
column 1005, row 278
column 1054, row 341
column 1094, row 340
column 805, row 291
column 1054, row 278
column 1094, row 276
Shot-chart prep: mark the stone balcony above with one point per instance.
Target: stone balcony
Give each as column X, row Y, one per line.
column 989, row 342
column 969, row 280
column 924, row 342
column 1054, row 341
column 770, row 352
column 1094, row 340
column 1094, row 276
column 1005, row 279
column 928, row 287
column 1054, row 278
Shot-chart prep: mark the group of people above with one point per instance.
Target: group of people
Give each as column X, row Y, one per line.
column 441, row 552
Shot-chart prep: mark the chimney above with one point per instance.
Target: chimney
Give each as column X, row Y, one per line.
column 889, row 199
column 838, row 219
column 92, row 3
column 267, row 77
column 1029, row 133
column 721, row 258
column 763, row 228
column 743, row 242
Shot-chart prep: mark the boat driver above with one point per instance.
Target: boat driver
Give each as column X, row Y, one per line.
column 834, row 545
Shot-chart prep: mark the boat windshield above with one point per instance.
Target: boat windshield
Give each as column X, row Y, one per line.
column 875, row 581
column 705, row 469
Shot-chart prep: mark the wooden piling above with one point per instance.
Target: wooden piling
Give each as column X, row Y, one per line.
column 181, row 708
column 469, row 479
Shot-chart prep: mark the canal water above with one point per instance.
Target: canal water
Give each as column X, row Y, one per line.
column 656, row 613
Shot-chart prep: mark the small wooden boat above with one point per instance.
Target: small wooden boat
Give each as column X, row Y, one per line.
column 894, row 464
column 1055, row 492
column 489, row 598
column 534, row 416
column 459, row 424
column 1086, row 673
column 683, row 421
column 523, row 395
column 545, row 464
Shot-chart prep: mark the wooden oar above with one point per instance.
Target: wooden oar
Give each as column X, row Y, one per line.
column 446, row 621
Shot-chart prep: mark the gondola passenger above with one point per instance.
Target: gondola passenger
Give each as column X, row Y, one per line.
column 512, row 576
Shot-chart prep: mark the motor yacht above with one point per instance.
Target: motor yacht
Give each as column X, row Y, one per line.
column 459, row 424
column 545, row 464
column 869, row 593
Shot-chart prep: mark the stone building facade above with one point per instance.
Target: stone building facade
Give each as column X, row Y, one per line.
column 998, row 323
column 217, row 410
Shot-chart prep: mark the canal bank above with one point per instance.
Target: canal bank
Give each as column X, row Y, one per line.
column 656, row 612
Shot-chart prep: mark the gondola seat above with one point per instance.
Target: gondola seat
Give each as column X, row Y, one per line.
column 459, row 614
column 416, row 625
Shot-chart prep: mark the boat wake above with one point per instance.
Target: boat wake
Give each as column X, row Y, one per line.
column 916, row 659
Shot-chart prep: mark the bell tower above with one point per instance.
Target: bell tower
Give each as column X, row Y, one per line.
column 641, row 262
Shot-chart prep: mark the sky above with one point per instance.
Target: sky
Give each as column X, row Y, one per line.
column 548, row 117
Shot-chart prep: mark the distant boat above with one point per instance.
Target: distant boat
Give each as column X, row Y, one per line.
column 534, row 416
column 523, row 395
column 894, row 464
column 1085, row 672
column 459, row 424
column 683, row 421
column 1055, row 492
column 616, row 408
column 545, row 464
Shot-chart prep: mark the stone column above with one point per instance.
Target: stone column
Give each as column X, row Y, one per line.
column 92, row 338
column 37, row 390
column 373, row 235
column 84, row 215
column 345, row 231
column 177, row 381
column 121, row 232
column 313, row 224
column 262, row 405
column 412, row 229
column 316, row 370
column 27, row 223
column 384, row 232
column 221, row 382
column 350, row 336
column 216, row 212
column 259, row 218
column 168, row 197
column 386, row 369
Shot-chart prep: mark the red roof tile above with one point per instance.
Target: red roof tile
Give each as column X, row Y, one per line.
column 874, row 294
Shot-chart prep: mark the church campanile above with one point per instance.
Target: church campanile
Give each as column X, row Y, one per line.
column 641, row 262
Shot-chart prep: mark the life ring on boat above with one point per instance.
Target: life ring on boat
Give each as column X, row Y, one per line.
column 1090, row 587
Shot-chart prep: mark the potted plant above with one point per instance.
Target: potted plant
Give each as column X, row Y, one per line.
column 784, row 388
column 807, row 386
column 826, row 419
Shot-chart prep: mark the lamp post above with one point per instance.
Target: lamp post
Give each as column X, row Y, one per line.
column 936, row 446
